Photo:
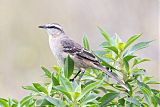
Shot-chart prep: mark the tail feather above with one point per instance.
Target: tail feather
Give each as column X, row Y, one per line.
column 113, row 76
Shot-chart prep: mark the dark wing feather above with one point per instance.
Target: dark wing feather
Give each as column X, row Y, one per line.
column 88, row 55
column 73, row 48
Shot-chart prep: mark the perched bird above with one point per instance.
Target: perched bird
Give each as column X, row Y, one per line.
column 62, row 46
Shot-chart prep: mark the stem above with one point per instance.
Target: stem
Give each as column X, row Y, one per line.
column 75, row 103
column 121, row 64
column 112, row 85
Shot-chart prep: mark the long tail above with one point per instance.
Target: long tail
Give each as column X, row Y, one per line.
column 113, row 76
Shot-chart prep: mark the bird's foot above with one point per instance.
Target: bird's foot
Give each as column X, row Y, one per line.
column 71, row 80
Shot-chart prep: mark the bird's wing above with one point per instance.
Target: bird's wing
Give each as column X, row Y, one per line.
column 73, row 48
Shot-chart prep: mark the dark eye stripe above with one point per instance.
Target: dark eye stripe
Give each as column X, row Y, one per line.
column 55, row 28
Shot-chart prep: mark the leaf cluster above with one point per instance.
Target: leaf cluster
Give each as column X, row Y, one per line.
column 96, row 89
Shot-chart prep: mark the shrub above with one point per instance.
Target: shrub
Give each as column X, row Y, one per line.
column 95, row 88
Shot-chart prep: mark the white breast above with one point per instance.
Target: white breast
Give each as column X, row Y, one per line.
column 57, row 49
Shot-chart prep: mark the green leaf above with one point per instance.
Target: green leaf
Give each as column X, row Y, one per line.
column 107, row 98
column 55, row 80
column 131, row 40
column 120, row 46
column 141, row 84
column 57, row 69
column 144, row 60
column 137, row 72
column 153, row 82
column 113, row 48
column 138, row 61
column 85, row 42
column 145, row 105
column 40, row 88
column 89, row 88
column 126, row 64
column 118, row 39
column 3, row 103
column 110, row 56
column 55, row 101
column 128, row 57
column 66, row 83
column 157, row 99
column 94, row 105
column 121, row 101
column 147, row 92
column 49, row 88
column 12, row 102
column 31, row 88
column 102, row 59
column 113, row 40
column 105, row 44
column 26, row 100
column 47, row 72
column 126, row 60
column 76, row 95
column 156, row 92
column 68, row 67
column 146, row 79
column 104, row 34
column 76, row 87
column 134, row 101
column 138, row 46
column 63, row 90
column 89, row 98
column 42, row 102
column 155, row 104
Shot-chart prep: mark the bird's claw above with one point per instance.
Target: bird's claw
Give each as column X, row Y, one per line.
column 71, row 80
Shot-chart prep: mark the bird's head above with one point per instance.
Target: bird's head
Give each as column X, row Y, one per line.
column 52, row 28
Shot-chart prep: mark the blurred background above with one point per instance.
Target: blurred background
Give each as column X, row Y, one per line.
column 24, row 47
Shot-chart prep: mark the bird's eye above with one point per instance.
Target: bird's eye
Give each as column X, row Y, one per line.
column 50, row 26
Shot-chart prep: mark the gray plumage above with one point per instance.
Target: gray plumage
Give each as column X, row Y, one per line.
column 62, row 46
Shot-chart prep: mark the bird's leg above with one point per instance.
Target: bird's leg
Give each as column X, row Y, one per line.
column 81, row 75
column 75, row 76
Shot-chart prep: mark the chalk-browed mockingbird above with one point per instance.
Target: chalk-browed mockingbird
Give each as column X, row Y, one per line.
column 62, row 46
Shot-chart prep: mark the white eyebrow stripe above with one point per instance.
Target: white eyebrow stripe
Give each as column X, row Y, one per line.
column 56, row 26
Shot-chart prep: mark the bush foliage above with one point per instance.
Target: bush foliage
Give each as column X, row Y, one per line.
column 95, row 88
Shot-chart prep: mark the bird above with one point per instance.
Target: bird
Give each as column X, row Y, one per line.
column 62, row 45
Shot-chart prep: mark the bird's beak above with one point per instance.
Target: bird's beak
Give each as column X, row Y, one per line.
column 42, row 26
